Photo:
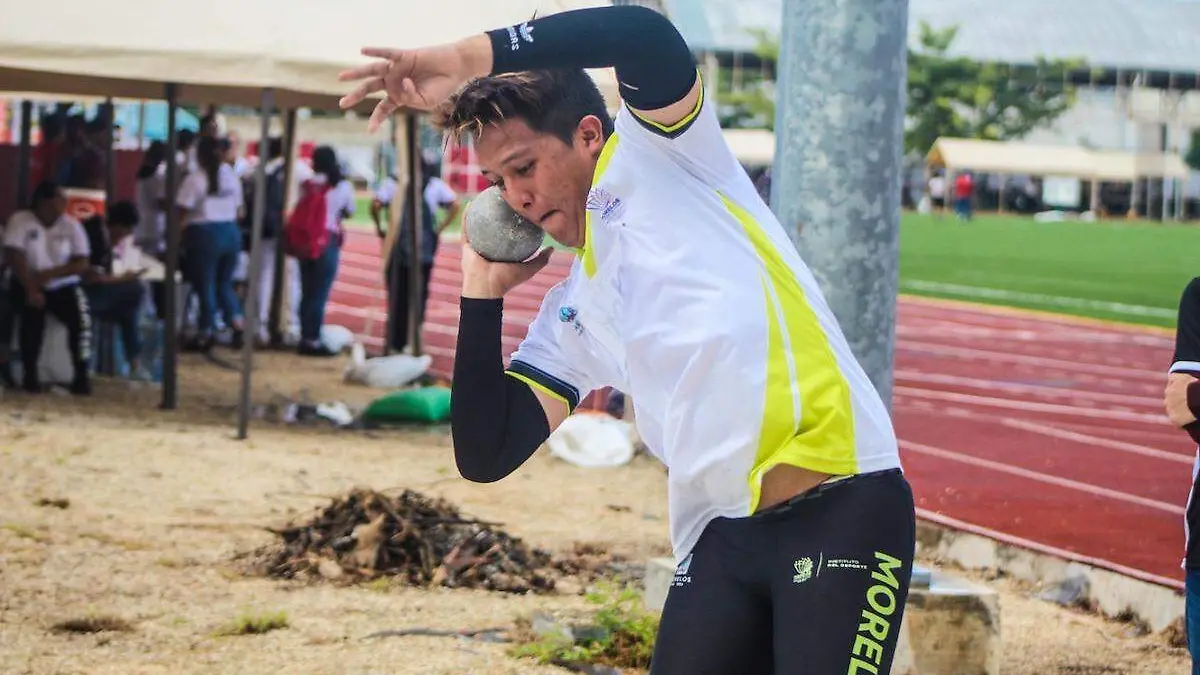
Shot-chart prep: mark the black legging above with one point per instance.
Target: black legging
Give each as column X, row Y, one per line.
column 69, row 305
column 398, row 309
column 816, row 585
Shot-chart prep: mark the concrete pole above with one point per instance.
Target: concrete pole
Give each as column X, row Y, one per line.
column 838, row 169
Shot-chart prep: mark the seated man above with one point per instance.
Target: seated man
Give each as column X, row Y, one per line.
column 117, row 298
column 48, row 251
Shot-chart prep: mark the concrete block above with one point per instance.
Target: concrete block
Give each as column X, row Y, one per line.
column 950, row 626
column 1114, row 592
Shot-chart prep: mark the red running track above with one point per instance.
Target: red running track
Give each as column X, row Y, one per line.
column 1040, row 430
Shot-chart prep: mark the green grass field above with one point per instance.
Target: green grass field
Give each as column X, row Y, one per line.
column 1117, row 270
column 1131, row 272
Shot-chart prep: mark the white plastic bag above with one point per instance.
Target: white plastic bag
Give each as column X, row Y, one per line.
column 336, row 338
column 592, row 441
column 384, row 372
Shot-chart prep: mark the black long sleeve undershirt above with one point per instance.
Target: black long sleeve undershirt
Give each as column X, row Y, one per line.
column 654, row 66
column 496, row 421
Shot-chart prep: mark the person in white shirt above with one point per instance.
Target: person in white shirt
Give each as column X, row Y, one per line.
column 385, row 192
column 210, row 202
column 317, row 276
column 48, row 252
column 792, row 523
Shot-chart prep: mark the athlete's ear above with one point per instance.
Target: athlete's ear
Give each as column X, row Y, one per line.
column 590, row 134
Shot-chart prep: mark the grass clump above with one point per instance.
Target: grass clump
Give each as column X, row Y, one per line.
column 254, row 624
column 619, row 635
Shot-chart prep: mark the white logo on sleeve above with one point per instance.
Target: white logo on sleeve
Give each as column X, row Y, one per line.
column 522, row 31
column 526, row 32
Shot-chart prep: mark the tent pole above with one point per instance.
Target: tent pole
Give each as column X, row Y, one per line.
column 391, row 241
column 23, row 154
column 110, row 169
column 280, row 262
column 170, row 354
column 251, row 327
column 416, row 197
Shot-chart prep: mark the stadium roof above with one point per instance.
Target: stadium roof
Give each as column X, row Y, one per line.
column 1126, row 34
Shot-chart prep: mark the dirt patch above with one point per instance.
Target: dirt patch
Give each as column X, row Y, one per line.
column 161, row 502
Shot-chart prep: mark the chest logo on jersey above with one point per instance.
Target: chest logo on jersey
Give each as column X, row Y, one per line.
column 605, row 204
column 570, row 315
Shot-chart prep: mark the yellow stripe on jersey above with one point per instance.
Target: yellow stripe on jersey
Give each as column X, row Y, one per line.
column 589, row 251
column 688, row 119
column 540, row 387
column 802, row 372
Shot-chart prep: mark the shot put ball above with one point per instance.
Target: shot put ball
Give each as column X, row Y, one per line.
column 497, row 232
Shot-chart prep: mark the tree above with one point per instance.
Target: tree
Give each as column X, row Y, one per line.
column 1193, row 155
column 949, row 95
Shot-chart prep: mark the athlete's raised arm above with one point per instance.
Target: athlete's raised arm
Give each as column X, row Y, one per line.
column 655, row 69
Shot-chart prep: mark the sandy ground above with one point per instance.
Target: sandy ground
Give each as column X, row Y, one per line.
column 160, row 503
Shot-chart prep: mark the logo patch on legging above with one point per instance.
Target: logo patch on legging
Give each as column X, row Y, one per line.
column 681, row 572
column 804, row 570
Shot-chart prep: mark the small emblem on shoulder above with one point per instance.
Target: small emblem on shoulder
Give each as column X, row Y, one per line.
column 605, row 204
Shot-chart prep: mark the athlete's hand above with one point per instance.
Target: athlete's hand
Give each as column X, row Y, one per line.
column 485, row 279
column 420, row 79
column 1175, row 399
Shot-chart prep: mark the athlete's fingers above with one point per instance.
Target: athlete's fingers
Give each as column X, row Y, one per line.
column 384, row 53
column 377, row 69
column 540, row 260
column 380, row 114
column 361, row 92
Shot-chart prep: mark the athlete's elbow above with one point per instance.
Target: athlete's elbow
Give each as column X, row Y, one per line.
column 470, row 468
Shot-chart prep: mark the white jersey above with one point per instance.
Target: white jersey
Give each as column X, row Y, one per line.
column 689, row 296
column 46, row 248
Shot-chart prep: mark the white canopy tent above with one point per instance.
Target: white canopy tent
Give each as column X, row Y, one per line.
column 227, row 50
column 259, row 53
column 960, row 154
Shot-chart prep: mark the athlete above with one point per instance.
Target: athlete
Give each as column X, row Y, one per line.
column 791, row 521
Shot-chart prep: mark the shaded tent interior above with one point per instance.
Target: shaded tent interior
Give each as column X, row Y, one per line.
column 254, row 53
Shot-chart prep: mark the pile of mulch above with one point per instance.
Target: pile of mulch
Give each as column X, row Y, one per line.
column 419, row 541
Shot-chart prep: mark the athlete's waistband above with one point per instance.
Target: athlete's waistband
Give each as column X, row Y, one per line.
column 825, row 487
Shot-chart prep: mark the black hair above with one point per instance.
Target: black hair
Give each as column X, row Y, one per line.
column 46, row 189
column 549, row 101
column 324, row 161
column 208, row 156
column 274, row 148
column 185, row 138
column 124, row 214
column 155, row 155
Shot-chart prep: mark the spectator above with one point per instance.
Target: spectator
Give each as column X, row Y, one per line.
column 117, row 299
column 185, row 151
column 1182, row 400
column 964, row 190
column 437, row 196
column 46, row 156
column 317, row 275
column 273, row 219
column 381, row 204
column 151, row 191
column 210, row 202
column 48, row 251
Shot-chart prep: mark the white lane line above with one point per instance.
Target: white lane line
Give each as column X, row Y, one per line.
column 1038, row 298
column 1042, row 477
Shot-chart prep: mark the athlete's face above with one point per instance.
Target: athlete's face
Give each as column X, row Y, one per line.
column 542, row 178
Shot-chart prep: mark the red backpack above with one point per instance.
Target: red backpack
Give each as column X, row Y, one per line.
column 306, row 235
